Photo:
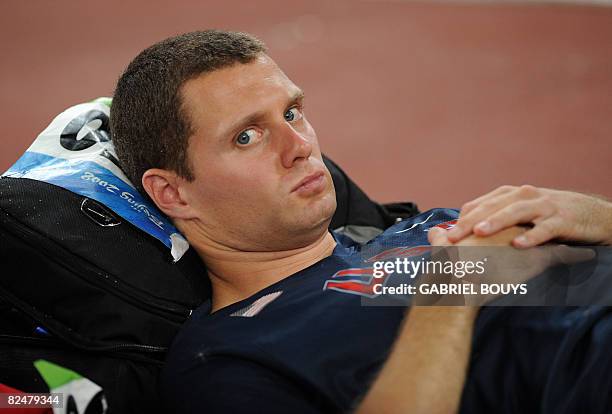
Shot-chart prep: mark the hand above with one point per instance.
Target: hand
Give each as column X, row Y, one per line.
column 440, row 237
column 505, row 265
column 554, row 214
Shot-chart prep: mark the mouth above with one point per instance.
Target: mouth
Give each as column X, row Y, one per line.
column 310, row 183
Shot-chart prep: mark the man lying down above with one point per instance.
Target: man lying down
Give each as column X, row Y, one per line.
column 215, row 133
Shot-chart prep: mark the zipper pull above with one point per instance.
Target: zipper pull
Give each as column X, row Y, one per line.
column 41, row 331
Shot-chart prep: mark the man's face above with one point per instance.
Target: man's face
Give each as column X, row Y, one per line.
column 260, row 182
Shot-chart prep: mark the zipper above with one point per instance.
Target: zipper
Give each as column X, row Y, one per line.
column 119, row 349
column 69, row 336
column 96, row 276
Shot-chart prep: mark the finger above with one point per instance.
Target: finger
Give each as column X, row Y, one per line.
column 520, row 212
column 438, row 237
column 471, row 205
column 465, row 225
column 542, row 232
column 479, row 214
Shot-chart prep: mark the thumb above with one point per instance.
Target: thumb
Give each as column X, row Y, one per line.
column 438, row 237
column 570, row 255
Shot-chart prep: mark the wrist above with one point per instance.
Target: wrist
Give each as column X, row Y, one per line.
column 605, row 221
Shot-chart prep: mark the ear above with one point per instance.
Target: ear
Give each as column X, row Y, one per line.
column 163, row 187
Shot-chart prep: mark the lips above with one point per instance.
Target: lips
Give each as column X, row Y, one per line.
column 312, row 178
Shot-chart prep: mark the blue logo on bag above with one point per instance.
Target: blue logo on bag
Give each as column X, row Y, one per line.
column 75, row 152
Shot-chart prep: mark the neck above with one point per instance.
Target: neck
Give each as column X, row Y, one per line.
column 235, row 275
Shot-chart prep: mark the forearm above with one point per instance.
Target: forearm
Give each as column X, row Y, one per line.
column 426, row 369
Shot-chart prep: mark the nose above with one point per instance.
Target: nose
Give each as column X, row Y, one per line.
column 294, row 147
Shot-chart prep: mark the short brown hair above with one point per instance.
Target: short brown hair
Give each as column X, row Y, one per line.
column 149, row 126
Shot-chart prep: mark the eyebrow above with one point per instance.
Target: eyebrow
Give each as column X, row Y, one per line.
column 296, row 96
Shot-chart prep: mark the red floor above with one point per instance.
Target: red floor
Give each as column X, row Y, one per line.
column 433, row 102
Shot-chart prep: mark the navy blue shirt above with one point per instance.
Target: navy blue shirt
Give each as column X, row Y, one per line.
column 314, row 342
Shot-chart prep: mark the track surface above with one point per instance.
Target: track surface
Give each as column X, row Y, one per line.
column 432, row 102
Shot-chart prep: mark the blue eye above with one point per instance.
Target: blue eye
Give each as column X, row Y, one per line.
column 293, row 114
column 244, row 138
